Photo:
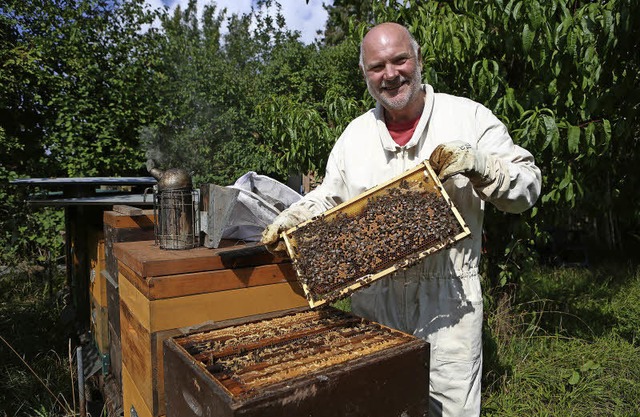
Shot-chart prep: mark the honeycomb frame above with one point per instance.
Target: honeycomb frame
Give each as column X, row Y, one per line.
column 355, row 225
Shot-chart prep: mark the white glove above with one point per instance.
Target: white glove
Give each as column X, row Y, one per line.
column 457, row 157
column 287, row 219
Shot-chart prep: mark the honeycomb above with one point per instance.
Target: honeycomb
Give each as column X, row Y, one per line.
column 247, row 358
column 391, row 227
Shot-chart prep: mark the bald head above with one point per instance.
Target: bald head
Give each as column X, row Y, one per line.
column 385, row 33
column 391, row 64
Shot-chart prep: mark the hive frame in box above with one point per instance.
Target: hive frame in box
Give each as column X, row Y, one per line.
column 301, row 362
column 422, row 176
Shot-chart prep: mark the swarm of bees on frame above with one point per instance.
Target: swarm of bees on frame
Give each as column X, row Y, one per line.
column 392, row 228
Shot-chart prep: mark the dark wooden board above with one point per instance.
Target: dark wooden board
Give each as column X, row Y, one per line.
column 388, row 383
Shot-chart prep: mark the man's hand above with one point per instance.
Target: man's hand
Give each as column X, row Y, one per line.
column 457, row 157
column 287, row 219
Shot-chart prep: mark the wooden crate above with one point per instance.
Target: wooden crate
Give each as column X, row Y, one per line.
column 164, row 293
column 314, row 363
column 120, row 227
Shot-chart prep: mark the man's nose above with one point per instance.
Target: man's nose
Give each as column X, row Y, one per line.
column 390, row 72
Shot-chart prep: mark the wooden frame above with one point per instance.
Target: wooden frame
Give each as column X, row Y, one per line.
column 422, row 174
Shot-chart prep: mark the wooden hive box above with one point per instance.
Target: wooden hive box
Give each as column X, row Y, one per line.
column 120, row 226
column 313, row 363
column 97, row 263
column 385, row 229
column 164, row 293
column 98, row 320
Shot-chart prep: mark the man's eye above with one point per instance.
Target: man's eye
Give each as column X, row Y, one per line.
column 401, row 61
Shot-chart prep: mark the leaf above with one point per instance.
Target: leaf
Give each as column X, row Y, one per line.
column 589, row 366
column 527, row 38
column 606, row 126
column 552, row 133
column 574, row 378
column 569, row 194
column 535, row 14
column 566, row 180
column 573, row 139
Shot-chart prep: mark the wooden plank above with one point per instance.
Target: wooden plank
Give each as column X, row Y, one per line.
column 128, row 234
column 137, row 306
column 115, row 359
column 128, row 210
column 191, row 310
column 99, row 326
column 127, row 274
column 122, row 221
column 113, row 302
column 200, row 308
column 136, row 357
column 220, row 280
column 97, row 282
column 131, row 397
column 146, row 259
column 157, row 361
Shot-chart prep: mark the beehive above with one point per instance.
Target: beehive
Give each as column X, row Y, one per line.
column 119, row 227
column 310, row 363
column 164, row 293
column 387, row 228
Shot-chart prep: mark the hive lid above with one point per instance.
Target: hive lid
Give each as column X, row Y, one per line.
column 385, row 229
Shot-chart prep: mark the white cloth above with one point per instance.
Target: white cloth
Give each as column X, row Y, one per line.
column 440, row 299
column 260, row 200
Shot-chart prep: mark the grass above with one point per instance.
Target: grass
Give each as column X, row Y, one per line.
column 564, row 342
column 35, row 377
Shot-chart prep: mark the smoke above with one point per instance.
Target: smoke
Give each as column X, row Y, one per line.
column 151, row 142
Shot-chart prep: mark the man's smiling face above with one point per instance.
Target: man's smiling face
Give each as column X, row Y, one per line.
column 391, row 67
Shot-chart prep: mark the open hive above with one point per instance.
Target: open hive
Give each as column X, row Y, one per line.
column 320, row 362
column 387, row 228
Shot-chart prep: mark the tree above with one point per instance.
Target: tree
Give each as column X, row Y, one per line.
column 343, row 15
column 74, row 83
column 87, row 68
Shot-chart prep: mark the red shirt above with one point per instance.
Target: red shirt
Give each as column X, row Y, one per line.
column 401, row 132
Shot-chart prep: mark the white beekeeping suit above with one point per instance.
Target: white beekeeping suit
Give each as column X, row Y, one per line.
column 440, row 299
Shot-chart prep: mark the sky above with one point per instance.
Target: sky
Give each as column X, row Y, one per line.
column 300, row 16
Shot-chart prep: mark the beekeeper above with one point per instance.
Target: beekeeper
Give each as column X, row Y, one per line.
column 440, row 299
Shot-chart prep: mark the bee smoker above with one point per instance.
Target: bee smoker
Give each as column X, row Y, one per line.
column 175, row 209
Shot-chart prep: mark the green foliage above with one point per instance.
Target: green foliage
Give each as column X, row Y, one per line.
column 343, row 15
column 84, row 68
column 74, row 89
column 554, row 376
column 248, row 100
column 209, row 89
